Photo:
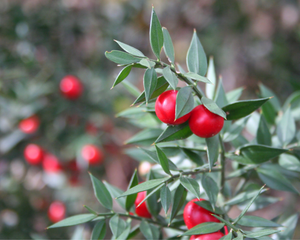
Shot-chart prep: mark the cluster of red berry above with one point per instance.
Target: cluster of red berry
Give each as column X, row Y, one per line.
column 202, row 122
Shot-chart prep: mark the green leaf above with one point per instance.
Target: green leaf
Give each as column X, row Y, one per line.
column 163, row 160
column 229, row 224
column 156, row 35
column 211, row 189
column 259, row 203
column 147, row 136
column 115, row 192
column 168, row 46
column 134, row 231
column 239, row 236
column 178, row 201
column 266, row 92
column 197, row 77
column 207, row 205
column 234, row 130
column 220, row 97
column 261, row 233
column 90, row 210
column 192, row 155
column 196, row 58
column 125, row 233
column 243, row 108
column 131, row 88
column 211, row 75
column 184, row 102
column 274, row 179
column 263, row 135
column 130, row 199
column 144, row 186
column 286, row 127
column 244, row 196
column 203, row 228
column 213, row 107
column 101, row 193
column 170, row 77
column 122, row 75
column 248, row 205
column 191, row 185
column 227, row 237
column 130, row 49
column 99, row 230
column 289, row 226
column 289, row 162
column 147, row 63
column 149, row 231
column 175, row 132
column 150, row 80
column 120, row 57
column 153, row 196
column 74, row 220
column 165, row 198
column 234, row 95
column 293, row 101
column 117, row 226
column 212, row 149
column 254, row 221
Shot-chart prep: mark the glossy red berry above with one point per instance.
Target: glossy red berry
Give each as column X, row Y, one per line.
column 51, row 163
column 165, row 108
column 208, row 236
column 92, row 154
column 33, row 154
column 193, row 214
column 29, row 125
column 71, row 87
column 56, row 211
column 204, row 123
column 142, row 210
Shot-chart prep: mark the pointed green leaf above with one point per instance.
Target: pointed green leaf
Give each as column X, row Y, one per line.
column 165, row 198
column 242, row 197
column 149, row 231
column 101, row 193
column 178, row 201
column 115, row 192
column 175, row 132
column 211, row 189
column 120, row 57
column 153, row 196
column 156, row 35
column 122, row 75
column 239, row 236
column 220, row 97
column 125, row 233
column 286, row 128
column 211, row 75
column 147, row 136
column 150, row 80
column 266, row 92
column 234, row 95
column 192, row 155
column 227, row 237
column 234, row 130
column 263, row 135
column 74, row 220
column 203, row 228
column 243, row 108
column 117, row 226
column 196, row 58
column 170, row 77
column 289, row 162
column 289, row 227
column 293, row 101
column 197, row 77
column 134, row 231
column 254, row 221
column 184, row 102
column 147, row 63
column 130, row 199
column 212, row 149
column 191, row 185
column 163, row 160
column 90, row 210
column 168, row 46
column 130, row 49
column 207, row 205
column 99, row 230
column 213, row 107
column 261, row 233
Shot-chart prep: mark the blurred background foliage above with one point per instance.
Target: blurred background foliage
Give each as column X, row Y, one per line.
column 41, row 41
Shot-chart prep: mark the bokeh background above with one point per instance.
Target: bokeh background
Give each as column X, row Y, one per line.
column 41, row 41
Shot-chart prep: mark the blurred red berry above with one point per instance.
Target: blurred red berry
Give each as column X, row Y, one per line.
column 56, row 211
column 71, row 87
column 33, row 154
column 29, row 125
column 92, row 154
column 51, row 163
column 142, row 210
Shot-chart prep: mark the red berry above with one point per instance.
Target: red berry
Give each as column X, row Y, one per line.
column 142, row 210
column 71, row 87
column 51, row 163
column 193, row 214
column 92, row 154
column 209, row 236
column 29, row 125
column 33, row 154
column 204, row 123
column 165, row 108
column 56, row 211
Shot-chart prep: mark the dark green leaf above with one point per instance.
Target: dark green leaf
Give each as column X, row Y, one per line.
column 125, row 233
column 211, row 189
column 239, row 236
column 115, row 192
column 120, row 57
column 213, row 107
column 203, row 228
column 196, row 58
column 263, row 135
column 146, row 136
column 101, row 193
column 150, row 80
column 192, row 155
column 99, row 230
column 191, row 185
column 156, row 35
column 134, row 231
column 122, row 75
column 184, row 102
column 149, row 231
column 175, row 132
column 254, row 221
column 243, row 108
column 220, row 97
column 74, row 220
column 289, row 162
column 163, row 160
column 168, row 46
column 165, row 198
column 153, row 196
column 178, row 201
column 206, row 205
column 227, row 237
column 170, row 77
column 286, row 127
column 130, row 49
column 117, row 226
column 212, row 149
column 261, row 233
column 197, row 77
column 130, row 199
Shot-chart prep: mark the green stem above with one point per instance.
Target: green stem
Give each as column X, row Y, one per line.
column 223, row 159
